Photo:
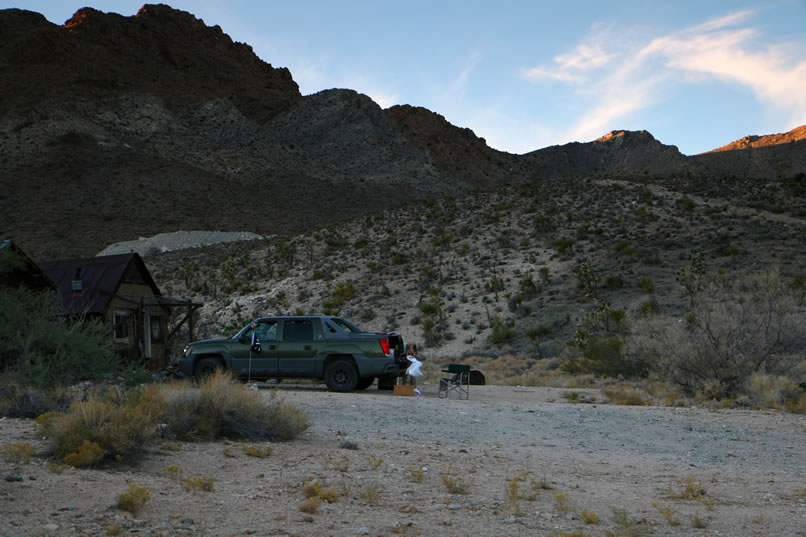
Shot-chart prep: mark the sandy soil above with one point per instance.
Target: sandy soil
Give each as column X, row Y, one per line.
column 638, row 470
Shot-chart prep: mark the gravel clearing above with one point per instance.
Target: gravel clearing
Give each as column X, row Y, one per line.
column 178, row 240
column 428, row 466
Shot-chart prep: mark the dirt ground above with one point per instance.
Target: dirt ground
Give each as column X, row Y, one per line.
column 508, row 461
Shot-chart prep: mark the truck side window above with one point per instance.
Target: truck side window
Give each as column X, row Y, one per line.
column 301, row 330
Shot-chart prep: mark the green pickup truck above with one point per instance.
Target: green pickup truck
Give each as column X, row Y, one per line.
column 317, row 346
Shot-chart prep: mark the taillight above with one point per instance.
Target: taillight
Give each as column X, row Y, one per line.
column 384, row 344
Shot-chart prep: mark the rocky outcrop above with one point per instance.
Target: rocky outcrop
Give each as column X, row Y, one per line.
column 457, row 151
column 160, row 51
column 754, row 142
column 771, row 156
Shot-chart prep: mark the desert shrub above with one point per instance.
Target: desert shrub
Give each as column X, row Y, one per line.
column 456, row 485
column 118, row 425
column 739, row 325
column 604, row 356
column 310, row 505
column 222, row 407
column 564, row 245
column 588, row 278
column 501, row 332
column 339, row 295
column 123, row 424
column 19, row 401
column 87, row 454
column 773, row 391
column 315, row 489
column 202, row 482
column 646, row 285
column 134, row 498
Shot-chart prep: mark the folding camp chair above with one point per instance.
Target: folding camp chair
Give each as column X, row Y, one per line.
column 459, row 381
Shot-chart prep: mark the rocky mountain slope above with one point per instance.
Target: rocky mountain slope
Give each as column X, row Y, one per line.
column 173, row 126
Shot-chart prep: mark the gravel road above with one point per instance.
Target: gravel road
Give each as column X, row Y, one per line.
column 498, row 417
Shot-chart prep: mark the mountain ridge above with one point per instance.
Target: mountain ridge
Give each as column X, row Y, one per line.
column 173, row 125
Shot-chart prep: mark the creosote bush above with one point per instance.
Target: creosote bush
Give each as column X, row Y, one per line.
column 739, row 325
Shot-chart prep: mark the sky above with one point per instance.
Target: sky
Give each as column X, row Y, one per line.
column 527, row 74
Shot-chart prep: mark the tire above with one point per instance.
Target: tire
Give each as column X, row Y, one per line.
column 364, row 383
column 206, row 367
column 341, row 376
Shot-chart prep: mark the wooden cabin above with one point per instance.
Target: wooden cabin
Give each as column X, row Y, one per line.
column 119, row 290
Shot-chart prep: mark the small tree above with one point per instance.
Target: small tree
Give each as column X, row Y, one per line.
column 738, row 325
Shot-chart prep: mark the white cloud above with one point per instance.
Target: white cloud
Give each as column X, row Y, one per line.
column 624, row 77
column 572, row 65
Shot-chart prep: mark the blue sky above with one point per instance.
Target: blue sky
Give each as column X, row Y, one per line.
column 528, row 74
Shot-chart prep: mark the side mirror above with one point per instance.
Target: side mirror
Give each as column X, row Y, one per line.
column 255, row 343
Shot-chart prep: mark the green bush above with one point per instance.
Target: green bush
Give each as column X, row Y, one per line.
column 502, row 332
column 42, row 347
column 646, row 285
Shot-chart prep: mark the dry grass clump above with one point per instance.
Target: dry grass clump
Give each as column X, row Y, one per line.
column 202, row 482
column 258, row 451
column 87, row 454
column 222, row 407
column 314, row 488
column 626, row 396
column 310, row 505
column 134, row 498
column 518, row 370
column 456, row 485
column 371, row 493
column 122, row 424
column 173, row 471
column 776, row 392
column 416, row 474
column 17, row 453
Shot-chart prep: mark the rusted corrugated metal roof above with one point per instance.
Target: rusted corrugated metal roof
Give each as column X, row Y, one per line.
column 100, row 280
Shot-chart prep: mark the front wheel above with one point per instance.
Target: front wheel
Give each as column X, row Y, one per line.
column 341, row 376
column 206, row 367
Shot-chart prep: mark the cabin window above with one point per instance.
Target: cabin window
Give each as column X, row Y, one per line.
column 156, row 329
column 121, row 327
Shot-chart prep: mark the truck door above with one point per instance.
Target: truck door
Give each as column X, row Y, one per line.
column 247, row 361
column 297, row 348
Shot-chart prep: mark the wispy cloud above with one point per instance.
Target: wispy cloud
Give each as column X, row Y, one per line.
column 622, row 77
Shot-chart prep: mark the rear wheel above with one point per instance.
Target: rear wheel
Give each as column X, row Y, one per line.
column 364, row 383
column 206, row 367
column 341, row 376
